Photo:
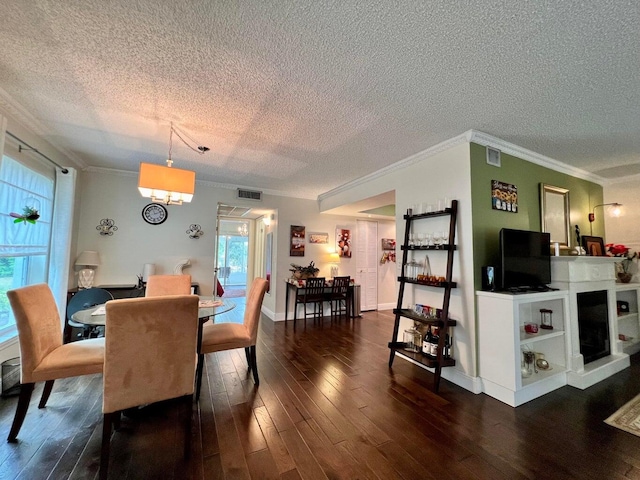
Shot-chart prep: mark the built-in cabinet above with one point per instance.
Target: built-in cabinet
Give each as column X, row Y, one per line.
column 627, row 301
column 502, row 341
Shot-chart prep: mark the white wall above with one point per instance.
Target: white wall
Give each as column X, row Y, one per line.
column 112, row 195
column 624, row 229
column 427, row 177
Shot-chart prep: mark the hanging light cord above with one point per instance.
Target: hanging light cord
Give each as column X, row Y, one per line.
column 199, row 149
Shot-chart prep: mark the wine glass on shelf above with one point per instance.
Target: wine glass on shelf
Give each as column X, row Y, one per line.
column 420, row 241
column 445, row 237
column 412, row 241
column 437, row 239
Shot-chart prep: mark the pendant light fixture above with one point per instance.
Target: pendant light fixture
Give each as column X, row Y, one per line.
column 169, row 185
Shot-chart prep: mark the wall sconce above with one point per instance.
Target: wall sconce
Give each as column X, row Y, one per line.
column 107, row 226
column 267, row 219
column 194, row 231
column 615, row 211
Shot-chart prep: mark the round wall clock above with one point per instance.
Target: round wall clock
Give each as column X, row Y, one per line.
column 154, row 213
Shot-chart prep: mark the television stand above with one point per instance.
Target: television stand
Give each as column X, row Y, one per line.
column 539, row 288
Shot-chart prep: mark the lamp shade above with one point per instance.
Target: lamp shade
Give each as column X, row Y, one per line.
column 88, row 258
column 166, row 184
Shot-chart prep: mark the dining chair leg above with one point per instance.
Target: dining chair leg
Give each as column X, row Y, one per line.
column 199, row 370
column 256, row 380
column 248, row 354
column 46, row 391
column 26, row 389
column 107, row 424
column 188, row 407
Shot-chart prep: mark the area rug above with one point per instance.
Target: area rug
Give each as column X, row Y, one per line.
column 234, row 292
column 627, row 418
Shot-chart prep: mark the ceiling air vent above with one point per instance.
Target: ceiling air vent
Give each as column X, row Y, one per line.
column 249, row 194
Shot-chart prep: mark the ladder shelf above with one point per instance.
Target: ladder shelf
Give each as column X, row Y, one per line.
column 442, row 321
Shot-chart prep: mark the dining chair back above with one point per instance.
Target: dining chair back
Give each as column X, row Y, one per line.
column 158, row 285
column 339, row 296
column 314, row 293
column 226, row 336
column 150, row 356
column 43, row 356
column 82, row 300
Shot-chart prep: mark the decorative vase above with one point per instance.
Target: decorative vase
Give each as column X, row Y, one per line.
column 624, row 277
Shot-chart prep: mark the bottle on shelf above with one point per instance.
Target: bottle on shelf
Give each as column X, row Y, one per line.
column 435, row 338
column 426, row 342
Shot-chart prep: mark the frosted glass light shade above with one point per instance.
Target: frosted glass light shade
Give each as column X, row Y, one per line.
column 88, row 258
column 166, row 184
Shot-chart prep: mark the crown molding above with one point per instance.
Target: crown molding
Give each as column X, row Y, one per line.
column 481, row 138
column 429, row 152
column 15, row 111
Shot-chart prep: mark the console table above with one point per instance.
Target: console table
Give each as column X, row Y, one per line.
column 298, row 291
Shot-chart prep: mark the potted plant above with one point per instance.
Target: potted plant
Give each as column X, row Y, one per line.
column 623, row 267
column 299, row 272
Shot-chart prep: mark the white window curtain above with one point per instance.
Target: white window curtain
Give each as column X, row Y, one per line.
column 48, row 241
column 62, row 227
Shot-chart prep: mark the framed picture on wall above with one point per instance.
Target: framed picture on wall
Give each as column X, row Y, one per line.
column 296, row 247
column 317, row 237
column 343, row 242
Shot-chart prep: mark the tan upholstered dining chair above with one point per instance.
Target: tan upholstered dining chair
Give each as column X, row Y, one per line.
column 226, row 336
column 158, row 285
column 43, row 356
column 150, row 356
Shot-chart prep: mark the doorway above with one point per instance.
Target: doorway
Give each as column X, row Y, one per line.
column 233, row 256
column 367, row 263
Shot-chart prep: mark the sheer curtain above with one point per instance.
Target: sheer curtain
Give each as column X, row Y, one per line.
column 61, row 233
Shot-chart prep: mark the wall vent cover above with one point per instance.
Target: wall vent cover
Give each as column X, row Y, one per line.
column 249, row 194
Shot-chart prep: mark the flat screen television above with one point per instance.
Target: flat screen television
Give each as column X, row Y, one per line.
column 525, row 260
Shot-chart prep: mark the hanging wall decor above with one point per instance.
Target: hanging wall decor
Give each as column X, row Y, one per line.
column 504, row 196
column 28, row 215
column 195, row 231
column 107, row 226
column 296, row 247
column 316, row 237
column 343, row 242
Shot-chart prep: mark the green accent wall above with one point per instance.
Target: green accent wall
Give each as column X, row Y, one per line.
column 527, row 177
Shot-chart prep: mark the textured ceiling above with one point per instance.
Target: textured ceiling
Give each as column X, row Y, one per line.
column 301, row 97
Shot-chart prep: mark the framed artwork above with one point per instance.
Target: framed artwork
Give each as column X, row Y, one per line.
column 594, row 246
column 296, row 247
column 316, row 237
column 388, row 244
column 504, row 196
column 343, row 242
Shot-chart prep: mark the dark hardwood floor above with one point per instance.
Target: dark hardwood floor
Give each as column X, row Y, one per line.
column 328, row 407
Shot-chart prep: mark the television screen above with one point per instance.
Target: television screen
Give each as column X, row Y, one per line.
column 525, row 259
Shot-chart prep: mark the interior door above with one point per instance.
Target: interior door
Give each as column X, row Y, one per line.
column 367, row 263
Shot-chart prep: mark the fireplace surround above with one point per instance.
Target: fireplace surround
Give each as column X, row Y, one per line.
column 592, row 280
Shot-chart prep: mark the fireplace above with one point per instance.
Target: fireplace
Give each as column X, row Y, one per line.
column 592, row 330
column 593, row 325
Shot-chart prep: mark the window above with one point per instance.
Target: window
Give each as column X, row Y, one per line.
column 24, row 247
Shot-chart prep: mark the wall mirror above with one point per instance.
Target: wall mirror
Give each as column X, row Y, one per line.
column 554, row 213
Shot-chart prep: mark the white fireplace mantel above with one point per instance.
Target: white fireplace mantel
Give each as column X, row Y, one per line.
column 579, row 274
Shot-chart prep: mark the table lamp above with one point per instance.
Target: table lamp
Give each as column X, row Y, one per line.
column 88, row 258
column 334, row 260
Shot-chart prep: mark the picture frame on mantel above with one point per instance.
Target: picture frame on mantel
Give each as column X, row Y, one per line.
column 594, row 246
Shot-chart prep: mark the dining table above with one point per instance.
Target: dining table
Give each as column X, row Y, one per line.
column 208, row 308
